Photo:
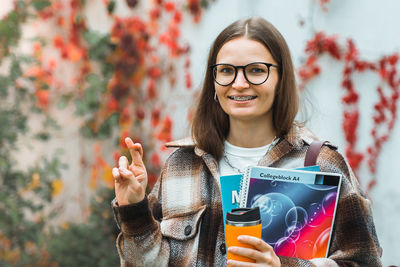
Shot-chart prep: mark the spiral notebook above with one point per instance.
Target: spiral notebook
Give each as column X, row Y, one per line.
column 297, row 208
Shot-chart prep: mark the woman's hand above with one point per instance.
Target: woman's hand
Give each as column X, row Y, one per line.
column 263, row 253
column 130, row 180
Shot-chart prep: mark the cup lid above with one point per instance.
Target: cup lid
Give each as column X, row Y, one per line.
column 244, row 215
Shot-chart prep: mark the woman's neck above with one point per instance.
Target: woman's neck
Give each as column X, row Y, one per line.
column 250, row 133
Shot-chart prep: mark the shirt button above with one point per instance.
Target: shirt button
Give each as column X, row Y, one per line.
column 188, row 230
column 222, row 248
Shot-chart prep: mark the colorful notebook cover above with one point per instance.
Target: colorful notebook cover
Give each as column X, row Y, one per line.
column 297, row 208
column 230, row 189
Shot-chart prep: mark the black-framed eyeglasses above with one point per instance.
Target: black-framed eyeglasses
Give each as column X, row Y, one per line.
column 255, row 73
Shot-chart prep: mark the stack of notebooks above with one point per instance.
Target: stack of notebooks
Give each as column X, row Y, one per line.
column 297, row 206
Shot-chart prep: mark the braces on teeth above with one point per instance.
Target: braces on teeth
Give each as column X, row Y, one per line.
column 242, row 98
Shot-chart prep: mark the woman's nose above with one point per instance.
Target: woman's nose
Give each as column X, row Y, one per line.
column 240, row 81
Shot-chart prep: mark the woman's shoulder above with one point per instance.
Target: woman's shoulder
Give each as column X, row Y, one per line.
column 183, row 151
column 302, row 137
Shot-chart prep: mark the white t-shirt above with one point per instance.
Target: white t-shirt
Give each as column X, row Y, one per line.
column 240, row 158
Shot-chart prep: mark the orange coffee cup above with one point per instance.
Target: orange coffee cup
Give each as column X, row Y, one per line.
column 242, row 221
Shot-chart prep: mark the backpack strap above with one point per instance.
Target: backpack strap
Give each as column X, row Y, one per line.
column 312, row 153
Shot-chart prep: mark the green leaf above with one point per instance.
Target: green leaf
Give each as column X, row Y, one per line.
column 15, row 70
column 43, row 136
column 81, row 107
column 111, row 7
column 50, row 122
column 41, row 4
column 106, row 127
column 64, row 101
column 9, row 32
column 86, row 131
column 62, row 104
column 92, row 37
column 4, row 84
column 100, row 45
column 20, row 4
column 93, row 79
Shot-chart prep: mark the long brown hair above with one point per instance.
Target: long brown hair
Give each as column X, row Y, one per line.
column 210, row 125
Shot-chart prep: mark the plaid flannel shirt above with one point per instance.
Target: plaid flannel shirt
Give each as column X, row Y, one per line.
column 180, row 222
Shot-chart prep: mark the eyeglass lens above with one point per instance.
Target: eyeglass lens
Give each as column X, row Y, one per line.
column 255, row 73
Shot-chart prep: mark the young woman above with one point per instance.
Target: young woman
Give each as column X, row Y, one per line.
column 245, row 116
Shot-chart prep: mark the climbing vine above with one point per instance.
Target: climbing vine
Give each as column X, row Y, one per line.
column 385, row 108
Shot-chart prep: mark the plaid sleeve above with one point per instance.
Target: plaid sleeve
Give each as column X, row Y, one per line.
column 140, row 242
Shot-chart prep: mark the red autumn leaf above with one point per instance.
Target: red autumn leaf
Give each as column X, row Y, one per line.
column 43, row 98
column 333, row 48
column 354, row 158
column 323, row 4
column 195, row 9
column 152, row 179
column 116, row 156
column 131, row 3
column 156, row 160
column 395, row 96
column 169, row 6
column 124, row 134
column 347, row 84
column 74, row 53
column 155, row 13
column 166, row 130
column 178, row 16
column 151, row 90
column 155, row 117
column 140, row 114
column 100, row 160
column 173, row 30
column 352, row 52
column 61, row 21
column 112, row 105
column 37, row 48
column 125, row 116
column 58, row 41
column 188, row 79
column 360, row 65
column 349, row 125
column 371, row 185
column 154, row 72
column 383, row 73
column 393, row 59
column 187, row 61
column 316, row 70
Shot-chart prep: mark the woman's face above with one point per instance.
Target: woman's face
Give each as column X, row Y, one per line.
column 242, row 100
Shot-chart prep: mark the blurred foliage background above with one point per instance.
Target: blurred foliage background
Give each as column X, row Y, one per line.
column 110, row 82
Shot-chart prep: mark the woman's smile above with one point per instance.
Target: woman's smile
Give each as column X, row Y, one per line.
column 242, row 98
